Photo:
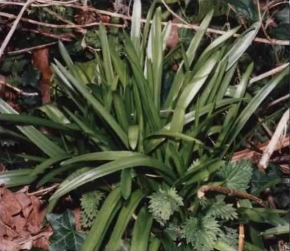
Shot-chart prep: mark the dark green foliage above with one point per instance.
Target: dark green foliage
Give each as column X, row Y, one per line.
column 127, row 139
column 64, row 237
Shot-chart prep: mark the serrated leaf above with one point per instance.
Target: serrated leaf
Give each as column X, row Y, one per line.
column 163, row 204
column 237, row 175
column 64, row 237
column 220, row 209
column 201, row 232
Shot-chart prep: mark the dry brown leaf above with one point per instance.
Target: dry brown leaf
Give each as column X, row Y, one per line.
column 40, row 60
column 6, row 245
column 20, row 221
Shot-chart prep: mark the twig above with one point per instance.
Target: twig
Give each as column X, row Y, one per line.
column 264, row 30
column 279, row 100
column 64, row 37
column 249, row 154
column 280, row 131
column 241, row 234
column 60, row 26
column 30, row 49
column 173, row 13
column 268, row 73
column 13, row 28
column 108, row 13
column 201, row 192
column 83, row 31
column 19, row 91
column 44, row 190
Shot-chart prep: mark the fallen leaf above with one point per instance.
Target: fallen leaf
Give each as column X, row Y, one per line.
column 40, row 60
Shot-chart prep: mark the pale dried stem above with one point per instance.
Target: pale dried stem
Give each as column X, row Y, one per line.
column 201, row 193
column 19, row 91
column 44, row 190
column 241, row 243
column 13, row 28
column 277, row 101
column 108, row 13
column 268, row 73
column 30, row 49
column 249, row 154
column 279, row 133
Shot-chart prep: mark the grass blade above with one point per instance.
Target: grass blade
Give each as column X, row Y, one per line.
column 141, row 231
column 42, row 142
column 242, row 44
column 123, row 220
column 106, row 214
column 112, row 167
column 47, row 163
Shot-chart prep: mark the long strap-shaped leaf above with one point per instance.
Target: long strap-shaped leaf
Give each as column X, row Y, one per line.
column 252, row 106
column 100, row 225
column 242, row 44
column 123, row 220
column 47, row 163
column 115, row 166
column 190, row 92
column 16, row 177
column 191, row 52
column 47, row 146
column 101, row 156
column 59, row 69
column 141, row 231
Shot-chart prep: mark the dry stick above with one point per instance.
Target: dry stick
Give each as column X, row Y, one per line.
column 249, row 154
column 83, row 31
column 63, row 37
column 44, row 190
column 19, row 91
column 102, row 12
column 268, row 73
column 173, row 13
column 241, row 234
column 201, row 192
column 13, row 28
column 30, row 49
column 280, row 131
column 279, row 100
column 62, row 26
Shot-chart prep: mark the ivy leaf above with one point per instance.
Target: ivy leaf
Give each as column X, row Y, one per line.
column 64, row 237
column 237, row 175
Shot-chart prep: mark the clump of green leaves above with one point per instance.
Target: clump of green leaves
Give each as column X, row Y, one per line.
column 163, row 204
column 90, row 203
